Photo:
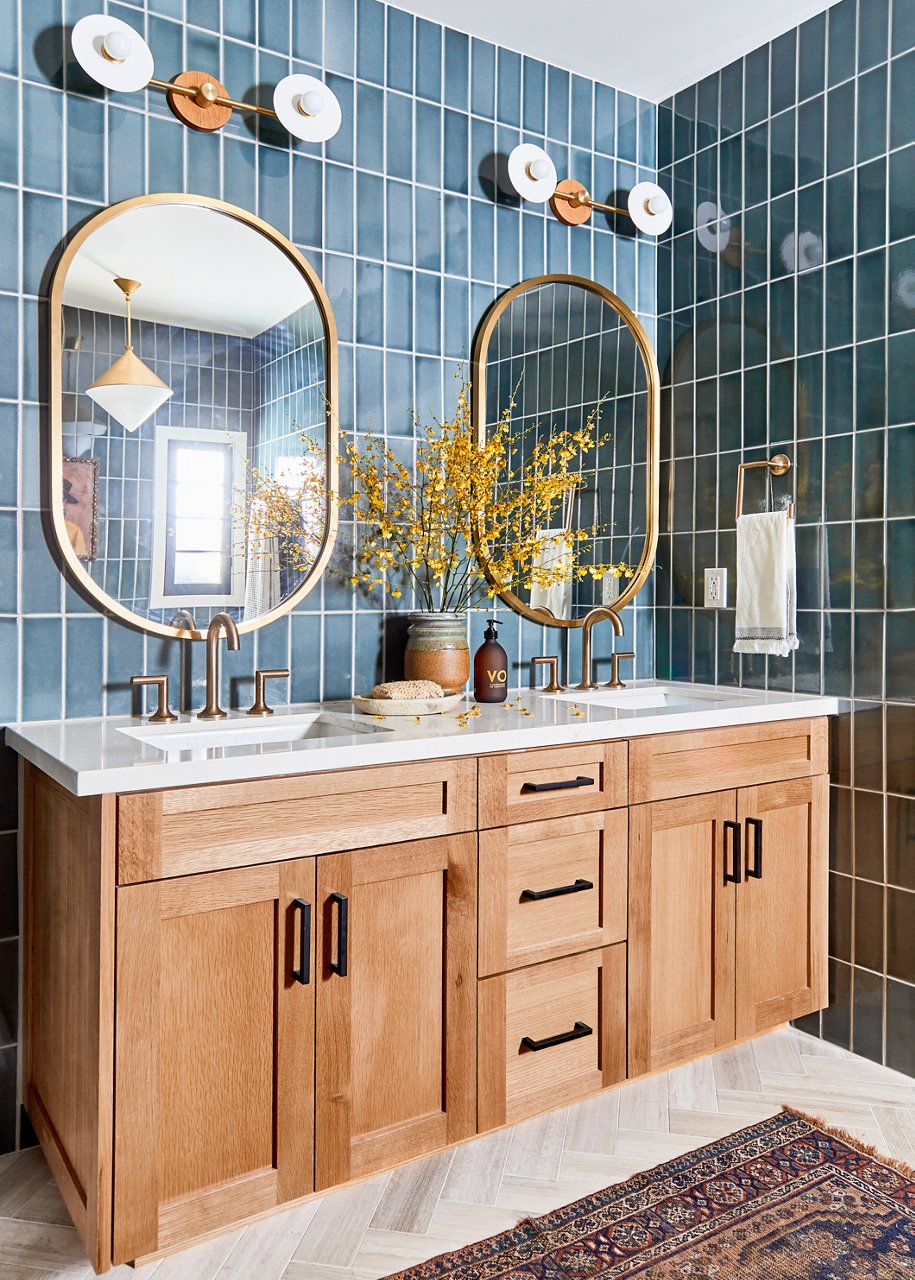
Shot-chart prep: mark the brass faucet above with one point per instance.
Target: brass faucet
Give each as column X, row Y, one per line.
column 596, row 615
column 220, row 621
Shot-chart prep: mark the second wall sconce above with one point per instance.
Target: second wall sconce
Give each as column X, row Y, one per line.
column 116, row 56
column 533, row 176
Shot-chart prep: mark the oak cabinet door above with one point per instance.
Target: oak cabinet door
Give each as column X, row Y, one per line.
column 396, row 1008
column 782, row 903
column 683, row 867
column 214, row 1051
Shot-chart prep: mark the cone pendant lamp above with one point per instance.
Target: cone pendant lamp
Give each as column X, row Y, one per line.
column 129, row 391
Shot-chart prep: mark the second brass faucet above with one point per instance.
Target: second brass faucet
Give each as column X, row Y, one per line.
column 219, row 622
column 596, row 615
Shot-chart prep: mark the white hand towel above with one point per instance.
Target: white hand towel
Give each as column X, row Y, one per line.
column 766, row 585
column 554, row 556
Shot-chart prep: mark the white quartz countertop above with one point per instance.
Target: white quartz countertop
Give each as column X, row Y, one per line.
column 91, row 757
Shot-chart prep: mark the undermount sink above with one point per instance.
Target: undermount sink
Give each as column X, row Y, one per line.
column 207, row 736
column 636, row 699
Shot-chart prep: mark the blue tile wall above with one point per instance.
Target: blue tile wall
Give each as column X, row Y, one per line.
column 399, row 216
column 800, row 337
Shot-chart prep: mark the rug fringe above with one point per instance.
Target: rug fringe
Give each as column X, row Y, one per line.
column 844, row 1136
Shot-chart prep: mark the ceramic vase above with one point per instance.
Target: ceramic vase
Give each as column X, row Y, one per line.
column 437, row 650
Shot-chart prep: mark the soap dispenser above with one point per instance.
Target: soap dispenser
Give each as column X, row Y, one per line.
column 490, row 668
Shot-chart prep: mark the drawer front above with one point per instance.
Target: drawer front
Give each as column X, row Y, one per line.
column 689, row 764
column 524, row 786
column 551, row 1034
column 552, row 888
column 192, row 829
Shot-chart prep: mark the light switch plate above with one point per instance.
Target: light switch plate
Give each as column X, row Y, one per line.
column 716, row 588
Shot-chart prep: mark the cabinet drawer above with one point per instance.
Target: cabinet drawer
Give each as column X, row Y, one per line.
column 582, row 996
column 552, row 888
column 689, row 764
column 523, row 786
column 171, row 833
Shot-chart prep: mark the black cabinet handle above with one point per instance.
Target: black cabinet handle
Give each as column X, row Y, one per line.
column 537, row 895
column 756, row 870
column 732, row 877
column 581, row 1030
column 338, row 966
column 303, row 973
column 558, row 786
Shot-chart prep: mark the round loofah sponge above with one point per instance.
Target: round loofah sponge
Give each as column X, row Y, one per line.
column 403, row 689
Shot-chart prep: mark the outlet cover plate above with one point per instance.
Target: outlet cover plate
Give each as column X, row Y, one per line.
column 716, row 588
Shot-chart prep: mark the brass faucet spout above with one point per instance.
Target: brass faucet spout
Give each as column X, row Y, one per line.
column 596, row 615
column 220, row 622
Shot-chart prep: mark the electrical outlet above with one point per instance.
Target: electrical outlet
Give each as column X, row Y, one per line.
column 610, row 589
column 716, row 588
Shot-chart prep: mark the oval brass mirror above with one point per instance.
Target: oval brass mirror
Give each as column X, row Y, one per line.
column 562, row 350
column 193, row 445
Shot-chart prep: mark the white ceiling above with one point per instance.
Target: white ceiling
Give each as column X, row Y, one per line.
column 650, row 48
column 198, row 268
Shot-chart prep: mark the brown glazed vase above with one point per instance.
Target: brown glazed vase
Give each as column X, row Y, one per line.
column 437, row 650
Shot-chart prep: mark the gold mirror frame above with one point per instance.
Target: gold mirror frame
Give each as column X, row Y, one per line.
column 653, row 414
column 113, row 608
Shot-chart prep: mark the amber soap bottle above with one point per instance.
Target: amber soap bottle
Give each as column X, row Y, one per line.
column 490, row 668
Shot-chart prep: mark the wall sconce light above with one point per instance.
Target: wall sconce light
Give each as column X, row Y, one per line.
column 116, row 56
column 533, row 176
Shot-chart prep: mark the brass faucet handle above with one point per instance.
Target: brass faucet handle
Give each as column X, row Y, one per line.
column 163, row 713
column 259, row 706
column 615, row 659
column 551, row 662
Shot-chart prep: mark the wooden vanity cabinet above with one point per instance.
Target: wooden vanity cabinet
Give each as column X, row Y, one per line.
column 727, row 917
column 243, row 993
column 214, row 1054
column 396, row 1005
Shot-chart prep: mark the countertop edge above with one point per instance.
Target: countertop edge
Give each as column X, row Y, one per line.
column 400, row 749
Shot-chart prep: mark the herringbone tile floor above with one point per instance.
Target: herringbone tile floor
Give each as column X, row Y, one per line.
column 448, row 1200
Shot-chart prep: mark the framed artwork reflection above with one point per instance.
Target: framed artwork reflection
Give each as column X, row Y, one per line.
column 80, row 502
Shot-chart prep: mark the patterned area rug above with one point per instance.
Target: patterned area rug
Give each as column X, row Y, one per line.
column 786, row 1199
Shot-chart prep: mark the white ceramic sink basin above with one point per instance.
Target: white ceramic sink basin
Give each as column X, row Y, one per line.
column 202, row 735
column 637, row 699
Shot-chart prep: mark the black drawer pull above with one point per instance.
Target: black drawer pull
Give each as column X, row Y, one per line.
column 581, row 1030
column 537, row 895
column 558, row 786
column 756, row 870
column 339, row 965
column 303, row 973
column 732, row 876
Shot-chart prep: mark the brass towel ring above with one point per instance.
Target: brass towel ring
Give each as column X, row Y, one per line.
column 779, row 465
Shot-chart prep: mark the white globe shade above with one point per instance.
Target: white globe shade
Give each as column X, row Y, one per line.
column 118, row 45
column 311, row 103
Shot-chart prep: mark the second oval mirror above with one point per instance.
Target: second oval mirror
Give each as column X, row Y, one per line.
column 193, row 448
column 564, row 351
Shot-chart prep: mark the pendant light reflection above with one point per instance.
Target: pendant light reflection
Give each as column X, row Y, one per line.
column 129, row 391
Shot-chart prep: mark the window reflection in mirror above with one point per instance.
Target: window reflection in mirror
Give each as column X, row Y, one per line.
column 176, row 430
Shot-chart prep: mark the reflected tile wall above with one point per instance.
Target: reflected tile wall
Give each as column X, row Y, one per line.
column 397, row 214
column 798, row 335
